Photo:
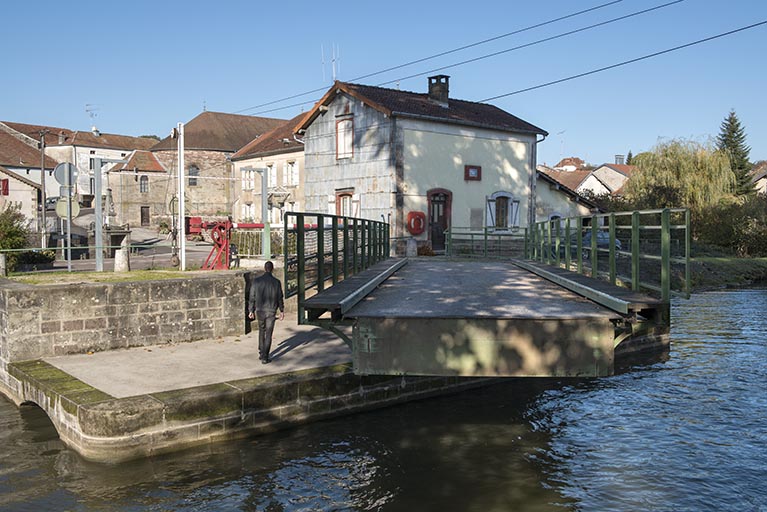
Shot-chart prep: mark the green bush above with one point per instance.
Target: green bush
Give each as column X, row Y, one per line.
column 13, row 233
column 740, row 226
column 36, row 257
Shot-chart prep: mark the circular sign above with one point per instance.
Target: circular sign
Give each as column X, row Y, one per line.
column 60, row 173
column 61, row 208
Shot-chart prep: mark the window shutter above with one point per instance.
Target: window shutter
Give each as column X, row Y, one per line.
column 4, row 185
column 356, row 206
column 514, row 212
column 490, row 215
column 332, row 204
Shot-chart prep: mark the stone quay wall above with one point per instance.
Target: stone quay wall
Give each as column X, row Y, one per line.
column 57, row 319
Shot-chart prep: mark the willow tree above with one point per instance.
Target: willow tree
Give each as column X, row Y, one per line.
column 680, row 173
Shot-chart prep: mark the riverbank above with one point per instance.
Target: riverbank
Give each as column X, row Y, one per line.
column 718, row 272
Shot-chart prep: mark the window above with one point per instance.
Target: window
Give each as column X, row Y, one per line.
column 248, row 179
column 292, row 172
column 344, row 138
column 346, row 203
column 5, row 187
column 143, row 184
column 194, row 173
column 272, row 169
column 472, row 173
column 502, row 211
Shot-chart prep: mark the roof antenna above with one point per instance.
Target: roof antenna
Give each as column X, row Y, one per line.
column 322, row 52
column 204, row 106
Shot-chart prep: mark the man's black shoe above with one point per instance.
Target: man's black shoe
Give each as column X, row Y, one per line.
column 266, row 361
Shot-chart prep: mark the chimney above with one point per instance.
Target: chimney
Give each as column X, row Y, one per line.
column 619, row 160
column 439, row 87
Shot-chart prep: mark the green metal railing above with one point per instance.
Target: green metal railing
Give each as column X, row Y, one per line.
column 645, row 250
column 486, row 243
column 319, row 248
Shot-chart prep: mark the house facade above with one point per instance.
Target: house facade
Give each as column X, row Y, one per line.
column 555, row 200
column 82, row 148
column 210, row 140
column 19, row 192
column 398, row 156
column 141, row 190
column 280, row 154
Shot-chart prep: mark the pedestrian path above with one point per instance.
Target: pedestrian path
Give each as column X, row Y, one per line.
column 144, row 370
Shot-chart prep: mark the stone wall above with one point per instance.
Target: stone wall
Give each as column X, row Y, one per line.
column 48, row 320
column 212, row 195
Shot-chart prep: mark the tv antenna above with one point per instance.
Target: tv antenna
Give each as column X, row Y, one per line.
column 92, row 110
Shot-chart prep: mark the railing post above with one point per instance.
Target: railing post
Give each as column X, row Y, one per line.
column 548, row 242
column 334, row 245
column 557, row 243
column 594, row 246
column 364, row 246
column 484, row 235
column 355, row 244
column 346, row 246
column 665, row 248
column 525, row 253
column 687, row 249
column 635, row 251
column 612, row 249
column 541, row 240
column 579, row 243
column 301, row 276
column 568, row 256
column 320, row 252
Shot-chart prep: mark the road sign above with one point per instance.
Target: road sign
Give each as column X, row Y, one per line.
column 60, row 173
column 61, row 208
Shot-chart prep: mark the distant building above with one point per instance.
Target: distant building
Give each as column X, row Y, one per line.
column 759, row 176
column 383, row 153
column 141, row 190
column 80, row 148
column 556, row 200
column 210, row 140
column 281, row 154
column 20, row 175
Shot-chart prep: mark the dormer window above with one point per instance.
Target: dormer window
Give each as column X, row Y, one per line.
column 345, row 138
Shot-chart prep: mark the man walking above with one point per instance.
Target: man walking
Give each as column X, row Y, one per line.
column 264, row 301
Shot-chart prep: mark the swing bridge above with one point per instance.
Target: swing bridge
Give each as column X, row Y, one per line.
column 564, row 297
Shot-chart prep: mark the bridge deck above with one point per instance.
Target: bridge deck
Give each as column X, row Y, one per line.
column 451, row 289
column 437, row 317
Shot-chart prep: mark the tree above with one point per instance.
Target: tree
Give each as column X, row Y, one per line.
column 680, row 173
column 732, row 141
column 629, row 158
column 13, row 231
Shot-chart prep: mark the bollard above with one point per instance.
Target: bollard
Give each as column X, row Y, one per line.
column 411, row 251
column 122, row 260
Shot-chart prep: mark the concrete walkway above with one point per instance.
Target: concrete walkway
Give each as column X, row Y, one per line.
column 145, row 370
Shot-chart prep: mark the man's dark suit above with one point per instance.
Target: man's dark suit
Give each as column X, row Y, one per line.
column 265, row 299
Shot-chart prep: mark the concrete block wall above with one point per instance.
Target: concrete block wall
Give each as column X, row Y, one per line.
column 49, row 320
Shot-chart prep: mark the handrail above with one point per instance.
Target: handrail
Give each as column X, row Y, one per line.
column 648, row 244
column 660, row 234
column 321, row 247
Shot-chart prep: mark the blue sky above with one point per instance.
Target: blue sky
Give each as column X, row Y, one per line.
column 148, row 65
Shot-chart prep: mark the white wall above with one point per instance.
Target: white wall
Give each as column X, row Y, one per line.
column 436, row 154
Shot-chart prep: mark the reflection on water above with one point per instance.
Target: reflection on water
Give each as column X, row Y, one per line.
column 683, row 432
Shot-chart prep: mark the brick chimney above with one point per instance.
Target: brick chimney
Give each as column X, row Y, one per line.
column 439, row 87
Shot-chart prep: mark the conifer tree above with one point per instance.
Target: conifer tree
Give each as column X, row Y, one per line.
column 629, row 158
column 732, row 141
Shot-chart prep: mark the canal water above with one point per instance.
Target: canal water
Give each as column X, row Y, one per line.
column 684, row 432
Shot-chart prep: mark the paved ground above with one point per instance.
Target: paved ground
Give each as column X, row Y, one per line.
column 144, row 370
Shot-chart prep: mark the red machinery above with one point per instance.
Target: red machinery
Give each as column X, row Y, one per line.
column 220, row 256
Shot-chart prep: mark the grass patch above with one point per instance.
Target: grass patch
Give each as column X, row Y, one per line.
column 712, row 272
column 104, row 277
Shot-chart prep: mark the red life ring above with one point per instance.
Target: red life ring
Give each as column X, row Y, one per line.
column 416, row 222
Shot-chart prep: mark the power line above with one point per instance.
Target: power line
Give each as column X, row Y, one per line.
column 501, row 52
column 626, row 62
column 437, row 55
